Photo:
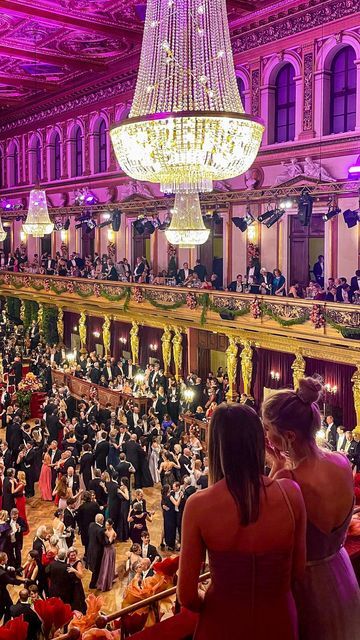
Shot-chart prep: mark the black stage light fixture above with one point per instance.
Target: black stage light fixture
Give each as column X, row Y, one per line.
column 249, row 218
column 277, row 214
column 305, row 204
column 90, row 225
column 217, row 219
column 78, row 225
column 149, row 227
column 351, row 218
column 116, row 220
column 58, row 225
column 240, row 223
column 139, row 227
column 266, row 215
column 105, row 223
column 66, row 224
column 331, row 213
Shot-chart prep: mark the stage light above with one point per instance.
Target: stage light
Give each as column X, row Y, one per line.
column 90, row 225
column 354, row 171
column 267, row 214
column 331, row 213
column 91, row 199
column 240, row 223
column 139, row 227
column 286, row 204
column 58, row 225
column 351, row 218
column 66, row 224
column 276, row 215
column 217, row 219
column 305, row 205
column 149, row 227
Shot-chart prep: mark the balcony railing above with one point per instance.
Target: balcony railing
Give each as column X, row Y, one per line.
column 193, row 307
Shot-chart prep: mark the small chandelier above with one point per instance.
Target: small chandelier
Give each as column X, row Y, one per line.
column 3, row 233
column 187, row 125
column 187, row 227
column 38, row 223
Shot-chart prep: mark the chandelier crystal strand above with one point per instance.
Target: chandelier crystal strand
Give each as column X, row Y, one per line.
column 187, row 126
column 187, row 227
column 38, row 223
column 3, row 233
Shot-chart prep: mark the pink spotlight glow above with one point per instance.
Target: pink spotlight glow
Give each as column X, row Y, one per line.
column 354, row 169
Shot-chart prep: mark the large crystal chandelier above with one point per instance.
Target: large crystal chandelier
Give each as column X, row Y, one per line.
column 38, row 223
column 187, row 226
column 187, row 126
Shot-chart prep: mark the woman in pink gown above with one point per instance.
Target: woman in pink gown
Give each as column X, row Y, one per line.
column 45, row 478
column 20, row 499
column 254, row 532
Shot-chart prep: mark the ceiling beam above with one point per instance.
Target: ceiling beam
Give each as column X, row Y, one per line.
column 71, row 20
column 51, row 58
column 28, row 83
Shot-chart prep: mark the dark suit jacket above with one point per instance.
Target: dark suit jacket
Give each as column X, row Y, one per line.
column 33, row 620
column 181, row 275
column 100, row 494
column 60, row 581
column 86, row 515
column 95, row 375
column 133, row 450
column 232, row 286
column 354, row 284
column 97, row 542
column 6, row 578
column 100, row 454
column 152, row 552
column 339, row 297
column 200, row 270
column 123, row 469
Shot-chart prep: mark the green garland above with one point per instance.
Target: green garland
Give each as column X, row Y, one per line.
column 346, row 332
column 13, row 306
column 266, row 311
column 204, row 301
column 50, row 332
column 37, row 287
column 57, row 290
column 111, row 298
column 127, row 299
column 165, row 307
column 83, row 294
column 31, row 311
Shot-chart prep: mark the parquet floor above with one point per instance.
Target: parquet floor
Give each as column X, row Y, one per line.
column 42, row 513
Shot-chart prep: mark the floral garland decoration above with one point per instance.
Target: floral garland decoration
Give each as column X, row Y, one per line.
column 255, row 309
column 165, row 307
column 191, row 301
column 346, row 332
column 283, row 322
column 317, row 317
column 138, row 295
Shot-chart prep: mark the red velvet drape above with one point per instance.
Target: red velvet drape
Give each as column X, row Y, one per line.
column 71, row 320
column 94, row 325
column 265, row 361
column 120, row 330
column 338, row 375
column 150, row 336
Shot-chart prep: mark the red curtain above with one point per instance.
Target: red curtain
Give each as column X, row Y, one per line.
column 341, row 403
column 150, row 336
column 71, row 320
column 120, row 330
column 265, row 361
column 94, row 325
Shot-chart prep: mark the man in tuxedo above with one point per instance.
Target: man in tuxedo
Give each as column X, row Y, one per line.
column 30, row 471
column 340, row 438
column 185, row 463
column 200, row 270
column 108, row 371
column 133, row 452
column 53, row 425
column 149, row 550
column 139, row 269
column 55, row 455
column 101, row 451
column 97, row 543
column 331, row 433
column 95, row 373
column 97, row 486
column 184, row 273
column 73, row 481
column 124, row 436
column 34, row 335
column 61, row 582
column 130, row 370
column 85, row 516
column 350, row 447
column 18, row 528
column 17, row 367
column 6, row 455
column 318, row 270
column 7, row 577
column 343, row 291
column 124, row 468
column 265, row 281
column 105, row 414
column 237, row 286
column 50, row 266
column 253, row 275
column 153, row 377
column 355, row 283
column 23, row 608
column 70, row 520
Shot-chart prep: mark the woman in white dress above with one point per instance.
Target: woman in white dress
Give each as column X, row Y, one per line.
column 154, row 460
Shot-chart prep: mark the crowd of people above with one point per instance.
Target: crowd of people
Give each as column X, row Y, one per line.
column 256, row 280
column 93, row 463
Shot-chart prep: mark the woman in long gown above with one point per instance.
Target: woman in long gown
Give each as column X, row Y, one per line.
column 60, row 531
column 122, row 525
column 138, row 522
column 169, row 515
column 5, row 532
column 45, row 478
column 107, row 569
column 76, row 570
column 166, row 469
column 291, row 420
column 251, row 571
column 8, row 497
column 114, row 449
column 20, row 500
column 154, row 460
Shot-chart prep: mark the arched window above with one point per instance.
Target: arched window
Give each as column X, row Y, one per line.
column 285, row 104
column 57, row 157
column 76, row 152
column 12, row 165
column 38, row 160
column 241, row 88
column 100, row 147
column 35, row 160
column 15, row 167
column 343, row 91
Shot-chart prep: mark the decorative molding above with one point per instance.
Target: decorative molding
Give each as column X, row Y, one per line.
column 308, row 91
column 296, row 21
column 255, row 92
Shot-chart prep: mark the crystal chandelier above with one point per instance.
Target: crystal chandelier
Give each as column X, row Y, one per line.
column 38, row 223
column 187, row 126
column 3, row 233
column 187, row 226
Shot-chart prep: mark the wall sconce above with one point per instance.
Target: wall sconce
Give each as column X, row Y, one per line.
column 75, row 329
column 153, row 347
column 71, row 357
column 96, row 334
column 122, row 340
column 63, row 235
column 111, row 235
column 23, row 236
column 188, row 395
column 330, row 389
column 275, row 375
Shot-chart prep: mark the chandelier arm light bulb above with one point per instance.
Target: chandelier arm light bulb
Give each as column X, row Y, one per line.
column 187, row 126
column 38, row 223
column 187, row 227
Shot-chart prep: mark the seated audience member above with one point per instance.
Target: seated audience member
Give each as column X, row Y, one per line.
column 343, row 291
column 237, row 286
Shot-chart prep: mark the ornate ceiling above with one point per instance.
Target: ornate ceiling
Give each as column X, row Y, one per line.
column 49, row 46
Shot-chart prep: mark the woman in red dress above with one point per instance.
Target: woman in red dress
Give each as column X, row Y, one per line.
column 45, row 478
column 20, row 499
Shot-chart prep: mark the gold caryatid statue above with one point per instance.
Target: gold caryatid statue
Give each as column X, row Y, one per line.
column 134, row 342
column 246, row 366
column 298, row 369
column 231, row 366
column 166, row 348
column 106, row 334
column 356, row 393
column 82, row 329
column 40, row 318
column 177, row 352
column 60, row 324
column 22, row 311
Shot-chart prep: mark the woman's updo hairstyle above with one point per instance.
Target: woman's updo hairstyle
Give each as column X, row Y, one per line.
column 298, row 411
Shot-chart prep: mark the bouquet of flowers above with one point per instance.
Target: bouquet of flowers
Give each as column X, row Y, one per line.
column 30, row 383
column 47, row 284
column 317, row 317
column 191, row 301
column 138, row 295
column 70, row 287
column 97, row 290
column 255, row 309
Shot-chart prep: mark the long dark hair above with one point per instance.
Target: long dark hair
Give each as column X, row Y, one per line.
column 237, row 453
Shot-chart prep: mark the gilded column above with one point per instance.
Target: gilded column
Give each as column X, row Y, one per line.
column 298, row 369
column 134, row 342
column 106, row 334
column 22, row 311
column 60, row 324
column 166, row 349
column 356, row 393
column 246, row 366
column 231, row 366
column 177, row 352
column 40, row 318
column 82, row 331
